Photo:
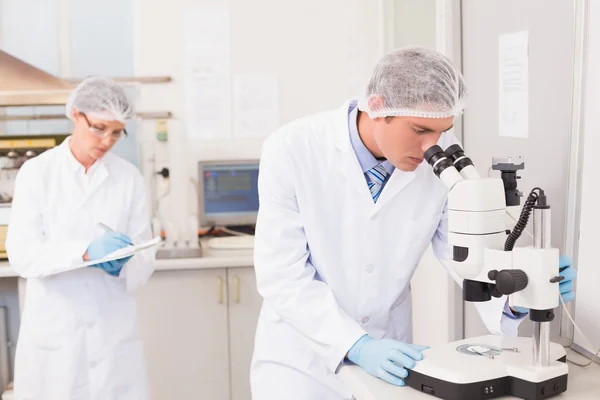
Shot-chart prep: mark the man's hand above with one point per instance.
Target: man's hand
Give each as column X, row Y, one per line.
column 386, row 359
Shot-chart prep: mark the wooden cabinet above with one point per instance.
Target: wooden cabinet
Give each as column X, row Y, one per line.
column 198, row 330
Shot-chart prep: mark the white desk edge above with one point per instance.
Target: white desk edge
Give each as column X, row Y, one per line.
column 583, row 384
column 210, row 259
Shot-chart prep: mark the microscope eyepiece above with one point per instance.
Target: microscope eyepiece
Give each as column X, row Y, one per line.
column 436, row 157
column 457, row 155
column 454, row 152
column 433, row 154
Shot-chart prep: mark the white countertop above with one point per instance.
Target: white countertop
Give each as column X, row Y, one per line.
column 210, row 259
column 583, row 384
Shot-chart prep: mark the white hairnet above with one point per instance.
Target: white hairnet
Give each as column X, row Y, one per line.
column 414, row 82
column 101, row 98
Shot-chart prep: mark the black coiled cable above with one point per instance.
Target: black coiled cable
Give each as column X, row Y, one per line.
column 523, row 219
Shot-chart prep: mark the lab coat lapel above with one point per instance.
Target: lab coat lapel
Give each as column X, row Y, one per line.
column 98, row 178
column 349, row 166
column 350, row 169
column 397, row 182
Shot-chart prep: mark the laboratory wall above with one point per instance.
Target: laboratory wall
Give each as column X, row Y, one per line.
column 586, row 214
column 544, row 142
column 414, row 23
column 314, row 56
column 35, row 23
column 68, row 38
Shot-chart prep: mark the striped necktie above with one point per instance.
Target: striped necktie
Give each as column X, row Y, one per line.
column 376, row 176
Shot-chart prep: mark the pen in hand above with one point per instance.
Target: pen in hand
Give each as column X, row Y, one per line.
column 105, row 227
column 109, row 229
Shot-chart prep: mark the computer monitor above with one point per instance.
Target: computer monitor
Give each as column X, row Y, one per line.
column 228, row 192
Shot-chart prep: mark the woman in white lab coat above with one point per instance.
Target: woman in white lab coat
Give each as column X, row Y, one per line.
column 347, row 209
column 79, row 337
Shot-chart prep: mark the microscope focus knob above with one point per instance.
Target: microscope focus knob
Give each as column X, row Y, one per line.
column 509, row 281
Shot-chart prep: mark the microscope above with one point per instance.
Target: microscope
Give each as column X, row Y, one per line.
column 484, row 257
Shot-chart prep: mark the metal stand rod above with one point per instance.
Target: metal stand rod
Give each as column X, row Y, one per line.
column 541, row 330
column 541, row 344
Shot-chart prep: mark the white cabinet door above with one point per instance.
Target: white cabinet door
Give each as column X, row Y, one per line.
column 183, row 318
column 244, row 307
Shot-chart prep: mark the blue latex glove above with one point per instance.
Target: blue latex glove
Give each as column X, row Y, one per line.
column 386, row 359
column 113, row 267
column 566, row 285
column 105, row 245
column 569, row 273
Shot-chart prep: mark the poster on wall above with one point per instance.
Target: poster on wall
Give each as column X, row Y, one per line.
column 207, row 68
column 513, row 85
column 255, row 105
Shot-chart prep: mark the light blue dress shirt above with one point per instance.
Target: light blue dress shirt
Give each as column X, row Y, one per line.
column 364, row 156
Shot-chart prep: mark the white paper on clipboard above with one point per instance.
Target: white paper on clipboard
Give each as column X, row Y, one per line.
column 124, row 252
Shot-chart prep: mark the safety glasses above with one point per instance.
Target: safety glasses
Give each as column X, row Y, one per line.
column 101, row 134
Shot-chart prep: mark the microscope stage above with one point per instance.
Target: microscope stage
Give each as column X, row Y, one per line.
column 487, row 367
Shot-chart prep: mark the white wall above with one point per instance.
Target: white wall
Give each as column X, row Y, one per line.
column 415, row 23
column 33, row 23
column 305, row 44
column 100, row 37
column 69, row 38
column 545, row 150
column 587, row 303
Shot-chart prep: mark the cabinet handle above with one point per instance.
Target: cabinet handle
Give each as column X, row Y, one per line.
column 236, row 290
column 220, row 290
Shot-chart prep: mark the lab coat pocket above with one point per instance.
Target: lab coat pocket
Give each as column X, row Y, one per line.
column 48, row 322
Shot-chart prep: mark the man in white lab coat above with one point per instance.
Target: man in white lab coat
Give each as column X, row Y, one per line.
column 79, row 337
column 347, row 209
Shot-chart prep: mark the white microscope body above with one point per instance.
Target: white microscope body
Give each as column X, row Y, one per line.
column 483, row 256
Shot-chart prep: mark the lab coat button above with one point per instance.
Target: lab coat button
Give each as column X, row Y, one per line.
column 93, row 364
column 370, row 268
column 365, row 320
column 90, row 325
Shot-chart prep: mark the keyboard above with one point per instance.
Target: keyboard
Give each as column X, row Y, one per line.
column 232, row 242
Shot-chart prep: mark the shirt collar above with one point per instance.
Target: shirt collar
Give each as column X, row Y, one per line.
column 72, row 162
column 365, row 158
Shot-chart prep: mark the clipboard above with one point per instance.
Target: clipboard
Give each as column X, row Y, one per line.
column 124, row 252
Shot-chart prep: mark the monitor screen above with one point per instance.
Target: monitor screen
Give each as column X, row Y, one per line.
column 230, row 194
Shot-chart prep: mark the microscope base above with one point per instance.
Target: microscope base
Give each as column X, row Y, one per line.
column 464, row 370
